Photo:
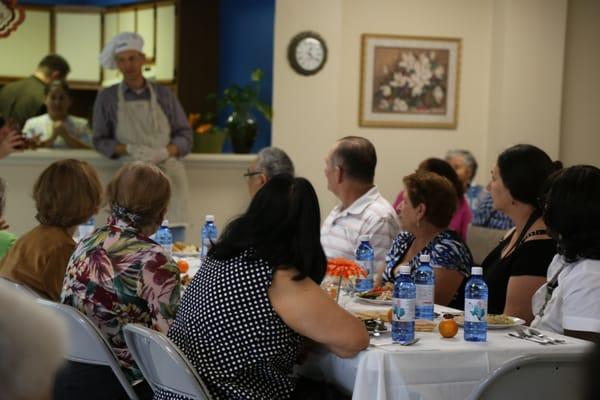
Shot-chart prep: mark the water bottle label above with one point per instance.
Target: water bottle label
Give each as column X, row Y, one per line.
column 475, row 310
column 403, row 310
column 367, row 265
column 424, row 295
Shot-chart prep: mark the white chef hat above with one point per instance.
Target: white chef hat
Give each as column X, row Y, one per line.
column 122, row 42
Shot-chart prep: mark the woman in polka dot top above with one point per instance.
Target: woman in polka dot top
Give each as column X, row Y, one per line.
column 243, row 317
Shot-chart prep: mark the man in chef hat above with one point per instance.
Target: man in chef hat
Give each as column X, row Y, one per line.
column 142, row 120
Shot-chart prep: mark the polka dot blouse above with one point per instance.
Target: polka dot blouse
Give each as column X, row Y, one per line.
column 229, row 331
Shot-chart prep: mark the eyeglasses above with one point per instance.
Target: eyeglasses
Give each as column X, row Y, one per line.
column 249, row 173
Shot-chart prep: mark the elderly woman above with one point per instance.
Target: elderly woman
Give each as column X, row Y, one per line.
column 462, row 215
column 118, row 275
column 517, row 267
column 569, row 301
column 244, row 315
column 32, row 344
column 57, row 128
column 465, row 165
column 66, row 194
column 426, row 211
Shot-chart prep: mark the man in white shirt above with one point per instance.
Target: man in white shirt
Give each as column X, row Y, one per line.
column 350, row 170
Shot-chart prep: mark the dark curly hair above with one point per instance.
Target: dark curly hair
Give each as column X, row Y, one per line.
column 572, row 213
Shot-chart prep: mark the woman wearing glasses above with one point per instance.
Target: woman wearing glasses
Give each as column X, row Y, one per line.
column 569, row 302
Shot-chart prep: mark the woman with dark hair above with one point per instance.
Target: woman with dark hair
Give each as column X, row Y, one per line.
column 244, row 314
column 569, row 302
column 516, row 268
column 57, row 128
column 426, row 211
column 462, row 215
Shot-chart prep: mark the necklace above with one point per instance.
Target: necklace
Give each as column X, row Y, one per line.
column 533, row 233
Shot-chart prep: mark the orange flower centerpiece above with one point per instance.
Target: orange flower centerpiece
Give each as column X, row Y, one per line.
column 342, row 268
column 207, row 137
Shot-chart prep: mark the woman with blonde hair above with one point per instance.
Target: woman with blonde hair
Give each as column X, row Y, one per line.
column 118, row 275
column 66, row 194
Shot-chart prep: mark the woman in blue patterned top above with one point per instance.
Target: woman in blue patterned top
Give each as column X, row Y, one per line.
column 425, row 214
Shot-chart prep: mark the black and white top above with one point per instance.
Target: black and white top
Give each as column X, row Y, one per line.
column 229, row 331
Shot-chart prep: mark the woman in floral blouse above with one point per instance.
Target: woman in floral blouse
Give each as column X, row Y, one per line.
column 118, row 275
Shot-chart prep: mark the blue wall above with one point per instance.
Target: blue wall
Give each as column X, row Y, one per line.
column 245, row 43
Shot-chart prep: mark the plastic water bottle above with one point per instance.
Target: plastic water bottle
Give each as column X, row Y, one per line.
column 403, row 307
column 87, row 228
column 476, row 302
column 425, row 284
column 364, row 257
column 208, row 236
column 165, row 238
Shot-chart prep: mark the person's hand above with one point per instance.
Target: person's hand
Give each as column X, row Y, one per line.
column 3, row 224
column 10, row 141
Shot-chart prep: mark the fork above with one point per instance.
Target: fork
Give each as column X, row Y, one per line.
column 535, row 332
column 520, row 333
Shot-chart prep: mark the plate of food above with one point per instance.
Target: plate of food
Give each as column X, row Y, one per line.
column 181, row 249
column 381, row 296
column 495, row 321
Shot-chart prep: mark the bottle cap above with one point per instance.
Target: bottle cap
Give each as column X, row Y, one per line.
column 405, row 270
column 210, row 218
column 165, row 223
column 364, row 238
column 424, row 258
column 476, row 271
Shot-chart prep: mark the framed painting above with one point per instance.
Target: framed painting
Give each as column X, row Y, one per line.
column 409, row 81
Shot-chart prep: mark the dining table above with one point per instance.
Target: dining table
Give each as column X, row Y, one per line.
column 433, row 368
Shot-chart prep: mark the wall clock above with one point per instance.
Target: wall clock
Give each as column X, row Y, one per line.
column 307, row 53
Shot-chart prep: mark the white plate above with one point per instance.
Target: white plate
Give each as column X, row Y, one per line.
column 515, row 322
column 373, row 301
column 186, row 254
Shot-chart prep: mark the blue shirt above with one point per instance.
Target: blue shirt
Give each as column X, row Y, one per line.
column 105, row 117
column 487, row 217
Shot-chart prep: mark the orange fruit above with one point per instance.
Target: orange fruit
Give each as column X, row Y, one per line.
column 183, row 266
column 448, row 328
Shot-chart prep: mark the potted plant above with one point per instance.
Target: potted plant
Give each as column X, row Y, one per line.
column 241, row 126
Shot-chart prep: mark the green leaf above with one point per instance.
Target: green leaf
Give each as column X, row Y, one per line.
column 257, row 75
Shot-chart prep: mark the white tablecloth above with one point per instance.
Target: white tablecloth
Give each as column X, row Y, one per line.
column 433, row 368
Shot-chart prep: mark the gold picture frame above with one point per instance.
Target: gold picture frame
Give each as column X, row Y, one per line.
column 409, row 81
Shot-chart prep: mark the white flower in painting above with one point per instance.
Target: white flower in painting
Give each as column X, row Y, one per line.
column 408, row 61
column 417, row 90
column 438, row 94
column 423, row 59
column 386, row 91
column 385, row 70
column 383, row 104
column 400, row 105
column 399, row 79
column 432, row 55
column 439, row 71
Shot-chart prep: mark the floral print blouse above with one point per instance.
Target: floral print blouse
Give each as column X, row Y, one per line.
column 118, row 276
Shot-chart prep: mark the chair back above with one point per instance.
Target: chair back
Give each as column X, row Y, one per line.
column 481, row 241
column 164, row 366
column 87, row 344
column 20, row 287
column 544, row 376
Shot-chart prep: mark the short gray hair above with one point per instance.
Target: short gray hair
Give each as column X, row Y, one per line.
column 272, row 161
column 468, row 157
column 2, row 196
column 32, row 345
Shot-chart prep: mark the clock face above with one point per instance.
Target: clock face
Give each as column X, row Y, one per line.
column 307, row 53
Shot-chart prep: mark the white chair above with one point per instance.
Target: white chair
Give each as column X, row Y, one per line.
column 86, row 343
column 164, row 366
column 20, row 287
column 545, row 376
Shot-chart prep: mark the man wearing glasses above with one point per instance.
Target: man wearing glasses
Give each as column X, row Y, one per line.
column 269, row 162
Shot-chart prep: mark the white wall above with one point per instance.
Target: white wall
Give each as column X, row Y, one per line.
column 580, row 137
column 510, row 83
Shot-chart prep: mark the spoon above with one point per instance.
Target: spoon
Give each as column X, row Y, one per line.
column 539, row 334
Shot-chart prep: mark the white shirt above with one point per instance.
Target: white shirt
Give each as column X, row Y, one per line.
column 575, row 303
column 43, row 126
column 371, row 215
